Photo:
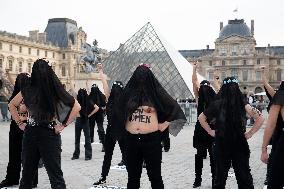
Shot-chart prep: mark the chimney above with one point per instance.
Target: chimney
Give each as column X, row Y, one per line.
column 207, row 47
column 221, row 26
column 42, row 37
column 252, row 27
column 268, row 45
column 33, row 35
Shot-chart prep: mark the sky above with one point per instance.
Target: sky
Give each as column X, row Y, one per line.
column 186, row 24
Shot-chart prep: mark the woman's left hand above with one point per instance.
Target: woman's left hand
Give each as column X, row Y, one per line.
column 248, row 135
column 163, row 126
column 59, row 128
column 264, row 157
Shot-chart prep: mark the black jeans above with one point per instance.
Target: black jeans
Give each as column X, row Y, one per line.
column 238, row 157
column 276, row 179
column 199, row 156
column 82, row 124
column 100, row 124
column 109, row 147
column 145, row 147
column 15, row 155
column 40, row 141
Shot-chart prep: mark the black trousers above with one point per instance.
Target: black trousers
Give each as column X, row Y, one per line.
column 276, row 179
column 82, row 124
column 199, row 156
column 148, row 148
column 100, row 124
column 109, row 147
column 238, row 157
column 166, row 139
column 39, row 141
column 15, row 155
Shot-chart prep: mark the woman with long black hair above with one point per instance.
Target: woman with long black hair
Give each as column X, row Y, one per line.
column 202, row 141
column 15, row 138
column 99, row 99
column 145, row 110
column 47, row 103
column 82, row 123
column 230, row 143
column 112, row 98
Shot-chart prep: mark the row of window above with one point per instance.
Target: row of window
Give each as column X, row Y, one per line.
column 234, row 72
column 30, row 51
column 258, row 61
column 29, row 67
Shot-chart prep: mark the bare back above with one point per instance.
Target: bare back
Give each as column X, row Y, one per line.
column 144, row 120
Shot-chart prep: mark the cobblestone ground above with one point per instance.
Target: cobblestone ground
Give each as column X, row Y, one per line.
column 177, row 166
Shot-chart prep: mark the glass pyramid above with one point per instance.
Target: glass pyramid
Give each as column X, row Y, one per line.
column 171, row 69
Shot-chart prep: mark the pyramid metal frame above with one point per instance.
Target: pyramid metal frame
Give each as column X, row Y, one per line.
column 171, row 69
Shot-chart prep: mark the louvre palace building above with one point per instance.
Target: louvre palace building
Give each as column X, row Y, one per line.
column 60, row 43
column 236, row 54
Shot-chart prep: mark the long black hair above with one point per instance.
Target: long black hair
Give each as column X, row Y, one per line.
column 83, row 100
column 97, row 96
column 115, row 93
column 205, row 96
column 144, row 89
column 22, row 81
column 233, row 104
column 46, row 93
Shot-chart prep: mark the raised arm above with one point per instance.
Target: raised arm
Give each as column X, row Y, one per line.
column 264, row 75
column 216, row 82
column 269, row 130
column 258, row 118
column 195, row 81
column 104, row 81
column 87, row 86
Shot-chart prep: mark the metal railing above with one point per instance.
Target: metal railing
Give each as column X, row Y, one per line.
column 190, row 111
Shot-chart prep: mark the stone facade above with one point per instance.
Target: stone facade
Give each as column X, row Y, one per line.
column 18, row 53
column 236, row 54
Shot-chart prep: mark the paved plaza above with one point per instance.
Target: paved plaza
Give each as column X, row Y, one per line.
column 177, row 166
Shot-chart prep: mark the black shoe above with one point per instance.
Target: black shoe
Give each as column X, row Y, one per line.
column 73, row 158
column 166, row 150
column 144, row 164
column 88, row 158
column 102, row 180
column 6, row 183
column 121, row 163
column 197, row 182
column 103, row 148
column 34, row 185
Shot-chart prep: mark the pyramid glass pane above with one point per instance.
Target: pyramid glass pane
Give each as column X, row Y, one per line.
column 145, row 46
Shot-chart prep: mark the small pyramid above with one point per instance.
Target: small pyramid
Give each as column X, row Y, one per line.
column 171, row 69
